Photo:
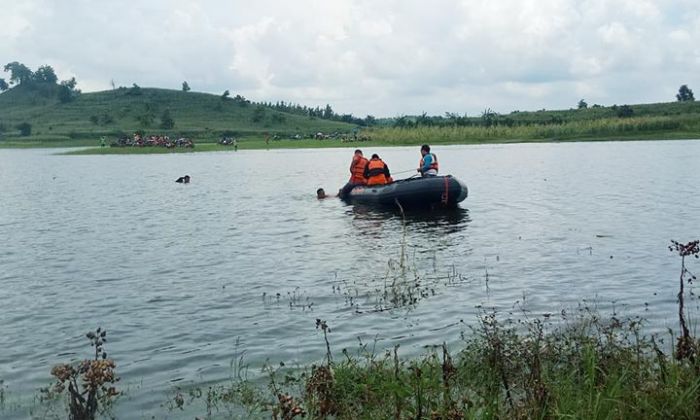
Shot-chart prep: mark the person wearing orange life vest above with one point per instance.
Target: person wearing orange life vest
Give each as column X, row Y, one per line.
column 357, row 168
column 357, row 173
column 377, row 172
column 428, row 162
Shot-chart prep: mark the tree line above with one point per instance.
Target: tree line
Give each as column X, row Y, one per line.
column 325, row 113
column 43, row 77
column 489, row 118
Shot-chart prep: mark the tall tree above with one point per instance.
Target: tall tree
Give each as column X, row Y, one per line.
column 424, row 119
column 685, row 94
column 67, row 91
column 134, row 90
column 582, row 104
column 70, row 83
column 225, row 95
column 328, row 112
column 45, row 74
column 185, row 86
column 19, row 73
column 401, row 121
column 3, row 85
column 241, row 100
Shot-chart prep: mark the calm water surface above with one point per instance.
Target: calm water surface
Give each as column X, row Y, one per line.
column 179, row 274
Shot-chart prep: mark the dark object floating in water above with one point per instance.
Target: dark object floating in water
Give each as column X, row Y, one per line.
column 183, row 179
column 434, row 191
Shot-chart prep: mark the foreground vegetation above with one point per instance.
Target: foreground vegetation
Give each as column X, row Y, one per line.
column 576, row 364
column 590, row 368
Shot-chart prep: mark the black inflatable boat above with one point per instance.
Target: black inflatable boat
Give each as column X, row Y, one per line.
column 433, row 191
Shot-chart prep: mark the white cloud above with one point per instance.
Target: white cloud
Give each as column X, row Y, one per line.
column 586, row 66
column 615, row 34
column 367, row 57
column 15, row 21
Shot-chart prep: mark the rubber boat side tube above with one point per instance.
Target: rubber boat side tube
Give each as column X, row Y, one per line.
column 413, row 192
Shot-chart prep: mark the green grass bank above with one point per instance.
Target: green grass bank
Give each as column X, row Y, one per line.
column 206, row 118
column 585, row 366
column 378, row 137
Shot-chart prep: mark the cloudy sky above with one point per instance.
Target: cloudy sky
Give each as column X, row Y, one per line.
column 381, row 57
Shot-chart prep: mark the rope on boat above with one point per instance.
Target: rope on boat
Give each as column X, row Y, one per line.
column 446, row 194
column 403, row 172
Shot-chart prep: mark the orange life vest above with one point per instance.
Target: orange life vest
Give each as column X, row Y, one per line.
column 357, row 170
column 433, row 164
column 375, row 167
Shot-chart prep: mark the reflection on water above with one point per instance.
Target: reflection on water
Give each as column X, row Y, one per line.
column 405, row 280
column 429, row 224
column 429, row 218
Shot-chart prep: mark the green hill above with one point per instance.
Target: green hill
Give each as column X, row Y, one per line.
column 36, row 114
column 201, row 116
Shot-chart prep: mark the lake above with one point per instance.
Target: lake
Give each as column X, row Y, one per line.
column 245, row 258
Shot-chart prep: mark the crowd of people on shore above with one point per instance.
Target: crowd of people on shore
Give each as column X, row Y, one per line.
column 139, row 140
column 343, row 137
column 375, row 172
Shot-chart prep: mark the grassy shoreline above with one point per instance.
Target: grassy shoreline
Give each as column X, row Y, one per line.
column 588, row 366
column 575, row 365
column 91, row 147
column 654, row 122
